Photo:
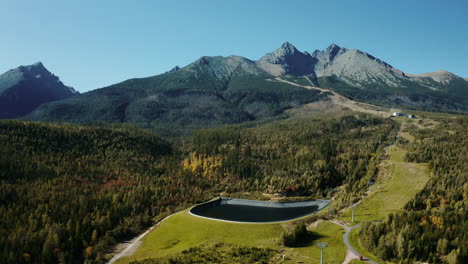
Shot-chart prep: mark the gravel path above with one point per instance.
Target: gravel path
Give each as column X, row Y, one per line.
column 352, row 253
column 350, row 248
column 135, row 243
column 341, row 100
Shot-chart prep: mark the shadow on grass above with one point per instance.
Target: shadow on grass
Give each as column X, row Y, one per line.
column 307, row 241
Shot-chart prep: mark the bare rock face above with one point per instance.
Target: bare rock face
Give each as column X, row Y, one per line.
column 325, row 57
column 225, row 90
column 441, row 77
column 288, row 60
column 358, row 67
column 26, row 87
column 353, row 66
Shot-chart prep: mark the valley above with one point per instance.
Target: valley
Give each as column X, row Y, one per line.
column 392, row 190
column 234, row 132
column 109, row 176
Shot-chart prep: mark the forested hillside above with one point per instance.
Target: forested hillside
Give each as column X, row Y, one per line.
column 434, row 226
column 211, row 91
column 411, row 95
column 67, row 193
column 296, row 156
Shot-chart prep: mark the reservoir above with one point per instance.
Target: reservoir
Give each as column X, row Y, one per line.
column 250, row 211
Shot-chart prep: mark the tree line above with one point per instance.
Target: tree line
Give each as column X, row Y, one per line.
column 434, row 226
column 68, row 193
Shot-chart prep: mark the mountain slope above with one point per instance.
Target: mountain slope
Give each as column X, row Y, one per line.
column 224, row 90
column 287, row 60
column 26, row 87
column 364, row 77
column 210, row 91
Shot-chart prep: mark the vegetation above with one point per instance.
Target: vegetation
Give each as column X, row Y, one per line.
column 216, row 253
column 182, row 231
column 355, row 241
column 434, row 225
column 211, row 92
column 399, row 182
column 296, row 237
column 411, row 95
column 295, row 157
column 69, row 192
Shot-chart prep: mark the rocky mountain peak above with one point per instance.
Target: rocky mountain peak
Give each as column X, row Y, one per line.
column 441, row 76
column 24, row 88
column 281, row 55
column 288, row 48
column 287, row 60
column 37, row 70
column 334, row 50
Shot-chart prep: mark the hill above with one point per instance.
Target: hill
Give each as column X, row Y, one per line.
column 26, row 87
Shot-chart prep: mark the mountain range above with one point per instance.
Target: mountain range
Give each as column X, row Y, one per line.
column 223, row 90
column 26, row 87
column 364, row 77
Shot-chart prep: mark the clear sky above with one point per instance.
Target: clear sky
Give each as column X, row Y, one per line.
column 94, row 43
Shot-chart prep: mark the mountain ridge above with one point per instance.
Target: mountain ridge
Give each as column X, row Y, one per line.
column 215, row 90
column 24, row 88
column 211, row 91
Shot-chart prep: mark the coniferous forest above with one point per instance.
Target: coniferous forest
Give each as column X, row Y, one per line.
column 434, row 225
column 68, row 192
column 161, row 132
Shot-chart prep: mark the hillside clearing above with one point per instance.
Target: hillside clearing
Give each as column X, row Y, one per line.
column 406, row 179
column 183, row 231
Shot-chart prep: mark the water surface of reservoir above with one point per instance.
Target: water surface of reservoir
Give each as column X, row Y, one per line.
column 238, row 210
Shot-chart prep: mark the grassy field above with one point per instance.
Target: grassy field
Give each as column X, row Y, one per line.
column 183, row 231
column 331, row 234
column 393, row 192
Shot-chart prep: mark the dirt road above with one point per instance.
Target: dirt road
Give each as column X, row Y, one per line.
column 135, row 243
column 343, row 101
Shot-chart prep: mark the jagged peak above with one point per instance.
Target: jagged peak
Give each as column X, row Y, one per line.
column 288, row 46
column 37, row 67
column 333, row 46
column 333, row 50
column 279, row 55
column 38, row 64
column 176, row 68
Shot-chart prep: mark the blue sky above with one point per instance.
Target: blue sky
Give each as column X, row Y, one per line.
column 92, row 44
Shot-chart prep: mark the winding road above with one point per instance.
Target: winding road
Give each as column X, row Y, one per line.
column 351, row 249
column 352, row 253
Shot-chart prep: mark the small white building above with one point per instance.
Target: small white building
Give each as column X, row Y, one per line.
column 411, row 116
column 398, row 114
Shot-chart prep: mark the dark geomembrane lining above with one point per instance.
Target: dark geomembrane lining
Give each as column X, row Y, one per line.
column 256, row 211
